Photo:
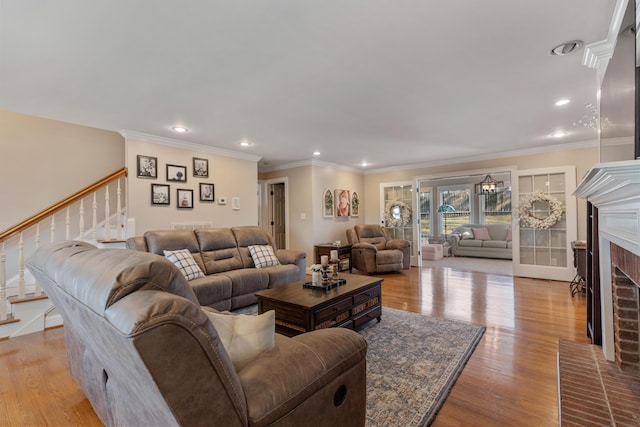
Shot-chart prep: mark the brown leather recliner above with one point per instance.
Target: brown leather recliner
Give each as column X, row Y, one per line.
column 145, row 353
column 373, row 251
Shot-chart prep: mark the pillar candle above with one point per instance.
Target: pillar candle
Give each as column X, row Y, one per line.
column 324, row 260
column 334, row 254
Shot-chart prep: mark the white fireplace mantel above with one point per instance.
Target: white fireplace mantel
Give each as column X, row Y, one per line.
column 614, row 188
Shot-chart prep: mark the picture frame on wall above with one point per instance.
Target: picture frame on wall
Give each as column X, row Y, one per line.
column 327, row 203
column 342, row 201
column 355, row 204
column 207, row 192
column 160, row 194
column 200, row 167
column 185, row 198
column 176, row 173
column 147, row 167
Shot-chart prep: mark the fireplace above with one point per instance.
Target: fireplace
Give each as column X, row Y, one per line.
column 614, row 188
column 625, row 280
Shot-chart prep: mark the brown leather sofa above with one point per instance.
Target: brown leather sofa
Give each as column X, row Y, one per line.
column 145, row 353
column 373, row 251
column 231, row 279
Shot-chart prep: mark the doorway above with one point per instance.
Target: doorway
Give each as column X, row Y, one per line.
column 275, row 211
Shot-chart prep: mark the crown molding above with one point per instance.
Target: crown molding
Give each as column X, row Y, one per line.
column 311, row 162
column 488, row 156
column 597, row 54
column 176, row 143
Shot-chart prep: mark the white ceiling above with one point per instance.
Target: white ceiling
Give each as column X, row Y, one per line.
column 389, row 82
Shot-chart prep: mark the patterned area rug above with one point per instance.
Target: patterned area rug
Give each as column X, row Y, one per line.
column 413, row 362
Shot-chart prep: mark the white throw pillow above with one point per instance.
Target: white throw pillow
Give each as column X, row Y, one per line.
column 263, row 256
column 184, row 261
column 244, row 336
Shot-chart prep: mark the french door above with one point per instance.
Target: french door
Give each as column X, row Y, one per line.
column 397, row 213
column 541, row 250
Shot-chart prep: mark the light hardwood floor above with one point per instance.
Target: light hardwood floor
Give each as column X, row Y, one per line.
column 510, row 379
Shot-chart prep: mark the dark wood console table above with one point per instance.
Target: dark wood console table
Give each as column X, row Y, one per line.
column 301, row 310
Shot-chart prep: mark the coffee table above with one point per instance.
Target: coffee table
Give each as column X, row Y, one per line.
column 301, row 309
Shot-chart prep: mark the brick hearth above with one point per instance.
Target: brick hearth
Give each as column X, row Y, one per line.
column 593, row 391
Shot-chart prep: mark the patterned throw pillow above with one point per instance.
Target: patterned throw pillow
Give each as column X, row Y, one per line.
column 263, row 256
column 481, row 234
column 186, row 264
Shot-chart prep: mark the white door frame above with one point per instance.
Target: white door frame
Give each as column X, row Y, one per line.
column 484, row 171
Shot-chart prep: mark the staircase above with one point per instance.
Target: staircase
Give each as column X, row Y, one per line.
column 24, row 308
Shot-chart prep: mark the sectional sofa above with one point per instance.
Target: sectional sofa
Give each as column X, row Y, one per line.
column 230, row 277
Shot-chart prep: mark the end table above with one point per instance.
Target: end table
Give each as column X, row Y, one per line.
column 344, row 254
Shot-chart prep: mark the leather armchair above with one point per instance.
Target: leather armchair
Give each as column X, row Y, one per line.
column 373, row 251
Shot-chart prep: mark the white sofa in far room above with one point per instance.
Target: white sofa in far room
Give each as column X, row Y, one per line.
column 494, row 243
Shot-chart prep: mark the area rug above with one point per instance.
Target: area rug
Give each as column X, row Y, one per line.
column 413, row 362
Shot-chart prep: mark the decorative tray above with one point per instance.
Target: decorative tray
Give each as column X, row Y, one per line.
column 325, row 286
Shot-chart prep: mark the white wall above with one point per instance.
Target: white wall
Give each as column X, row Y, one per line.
column 231, row 176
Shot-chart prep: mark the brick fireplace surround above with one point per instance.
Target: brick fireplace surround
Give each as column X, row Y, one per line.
column 600, row 386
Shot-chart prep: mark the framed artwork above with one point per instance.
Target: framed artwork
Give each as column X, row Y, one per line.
column 327, row 203
column 160, row 194
column 207, row 193
column 185, row 198
column 355, row 204
column 343, row 202
column 147, row 167
column 176, row 173
column 200, row 167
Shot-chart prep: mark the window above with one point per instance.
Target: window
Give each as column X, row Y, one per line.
column 425, row 213
column 459, row 197
column 496, row 208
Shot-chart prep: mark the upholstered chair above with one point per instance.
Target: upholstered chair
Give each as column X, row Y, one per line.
column 373, row 251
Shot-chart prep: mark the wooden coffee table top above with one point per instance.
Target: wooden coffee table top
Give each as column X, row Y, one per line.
column 295, row 294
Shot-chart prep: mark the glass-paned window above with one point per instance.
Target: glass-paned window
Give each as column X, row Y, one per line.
column 425, row 214
column 460, row 200
column 496, row 208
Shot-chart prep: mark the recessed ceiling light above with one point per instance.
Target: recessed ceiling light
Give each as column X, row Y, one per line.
column 316, row 153
column 561, row 102
column 365, row 164
column 566, row 47
column 179, row 129
column 245, row 143
column 559, row 134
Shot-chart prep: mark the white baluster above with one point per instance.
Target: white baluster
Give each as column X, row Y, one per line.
column 21, row 267
column 38, row 287
column 67, row 222
column 95, row 217
column 3, row 284
column 119, row 233
column 81, row 225
column 107, row 226
column 53, row 228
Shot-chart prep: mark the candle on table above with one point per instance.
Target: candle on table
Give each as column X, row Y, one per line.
column 324, row 260
column 334, row 254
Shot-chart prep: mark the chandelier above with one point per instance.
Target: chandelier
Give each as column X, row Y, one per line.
column 489, row 186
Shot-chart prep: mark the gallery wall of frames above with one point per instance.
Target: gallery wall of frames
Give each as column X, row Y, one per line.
column 173, row 187
column 340, row 203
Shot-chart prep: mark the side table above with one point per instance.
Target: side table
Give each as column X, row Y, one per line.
column 344, row 254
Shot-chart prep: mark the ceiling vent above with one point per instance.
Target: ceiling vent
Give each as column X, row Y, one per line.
column 566, row 48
